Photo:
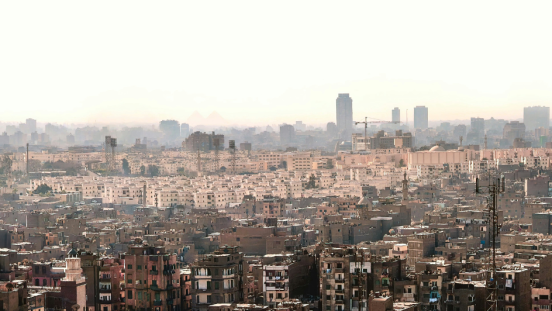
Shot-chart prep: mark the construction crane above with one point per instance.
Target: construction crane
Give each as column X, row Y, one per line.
column 366, row 122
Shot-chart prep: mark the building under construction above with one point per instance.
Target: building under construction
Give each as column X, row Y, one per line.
column 382, row 141
column 203, row 142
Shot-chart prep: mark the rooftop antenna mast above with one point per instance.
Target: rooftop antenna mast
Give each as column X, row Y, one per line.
column 113, row 145
column 232, row 145
column 216, row 143
column 107, row 143
column 494, row 188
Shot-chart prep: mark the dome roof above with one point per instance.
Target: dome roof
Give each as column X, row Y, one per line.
column 437, row 148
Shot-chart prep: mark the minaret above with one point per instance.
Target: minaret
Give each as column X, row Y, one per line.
column 73, row 271
column 405, row 188
column 485, row 142
column 73, row 285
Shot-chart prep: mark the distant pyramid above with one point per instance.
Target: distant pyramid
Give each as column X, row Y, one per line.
column 215, row 119
column 195, row 119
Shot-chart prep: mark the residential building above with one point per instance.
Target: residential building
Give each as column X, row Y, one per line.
column 217, row 278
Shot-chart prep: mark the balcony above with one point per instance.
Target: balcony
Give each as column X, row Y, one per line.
column 105, row 301
column 154, row 272
column 339, row 291
column 340, row 280
column 157, row 303
column 105, row 289
column 170, row 301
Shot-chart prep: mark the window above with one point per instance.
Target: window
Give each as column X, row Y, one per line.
column 129, row 267
column 216, row 285
column 139, row 267
column 129, row 294
column 208, row 298
column 129, row 281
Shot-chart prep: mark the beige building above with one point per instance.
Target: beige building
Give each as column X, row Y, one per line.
column 438, row 156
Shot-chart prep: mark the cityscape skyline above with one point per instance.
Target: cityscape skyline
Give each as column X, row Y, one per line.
column 275, row 156
column 181, row 79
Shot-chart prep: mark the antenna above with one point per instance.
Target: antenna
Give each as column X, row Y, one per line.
column 493, row 189
column 232, row 145
column 107, row 143
column 216, row 144
column 113, row 144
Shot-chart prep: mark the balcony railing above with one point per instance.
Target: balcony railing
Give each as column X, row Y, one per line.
column 157, row 303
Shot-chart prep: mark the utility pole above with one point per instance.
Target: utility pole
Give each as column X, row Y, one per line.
column 494, row 188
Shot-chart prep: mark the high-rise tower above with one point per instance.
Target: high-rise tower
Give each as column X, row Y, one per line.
column 396, row 115
column 344, row 115
column 535, row 117
column 420, row 117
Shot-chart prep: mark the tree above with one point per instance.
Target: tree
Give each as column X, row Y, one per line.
column 311, row 184
column 142, row 170
column 42, row 189
column 153, row 170
column 181, row 171
column 6, row 165
column 272, row 168
column 223, row 169
column 329, row 164
column 401, row 163
column 126, row 167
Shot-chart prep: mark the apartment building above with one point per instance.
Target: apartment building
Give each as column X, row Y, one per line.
column 217, row 278
column 151, row 278
column 343, row 273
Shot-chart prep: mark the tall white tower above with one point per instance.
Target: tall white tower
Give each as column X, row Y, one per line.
column 74, row 283
column 73, row 270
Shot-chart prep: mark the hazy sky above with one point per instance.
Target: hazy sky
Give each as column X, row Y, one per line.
column 260, row 62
